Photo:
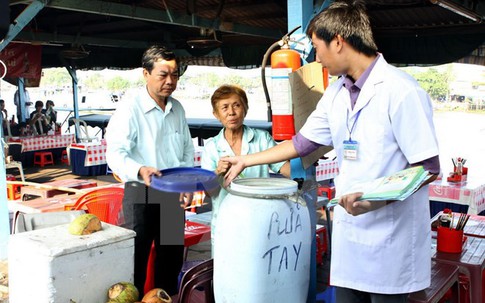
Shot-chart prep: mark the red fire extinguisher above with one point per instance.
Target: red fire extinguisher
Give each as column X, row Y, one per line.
column 280, row 109
column 283, row 61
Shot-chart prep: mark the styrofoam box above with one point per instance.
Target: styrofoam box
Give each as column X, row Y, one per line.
column 50, row 265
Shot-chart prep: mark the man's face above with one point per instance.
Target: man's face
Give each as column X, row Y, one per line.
column 38, row 108
column 327, row 55
column 162, row 81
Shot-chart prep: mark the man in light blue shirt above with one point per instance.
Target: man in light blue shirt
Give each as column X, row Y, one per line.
column 144, row 136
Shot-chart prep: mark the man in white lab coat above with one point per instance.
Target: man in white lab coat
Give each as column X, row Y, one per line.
column 380, row 121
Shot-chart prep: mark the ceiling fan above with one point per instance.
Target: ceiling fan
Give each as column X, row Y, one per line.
column 75, row 52
column 207, row 39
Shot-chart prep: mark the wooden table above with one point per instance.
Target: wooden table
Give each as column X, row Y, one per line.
column 42, row 205
column 27, row 192
column 471, row 262
column 443, row 277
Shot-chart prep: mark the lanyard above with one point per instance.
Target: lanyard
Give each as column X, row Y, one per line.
column 353, row 125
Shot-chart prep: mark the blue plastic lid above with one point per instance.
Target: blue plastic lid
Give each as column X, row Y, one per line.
column 185, row 179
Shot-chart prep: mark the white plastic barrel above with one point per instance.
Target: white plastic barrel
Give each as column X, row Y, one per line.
column 262, row 243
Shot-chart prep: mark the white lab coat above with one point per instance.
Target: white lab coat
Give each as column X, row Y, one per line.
column 385, row 251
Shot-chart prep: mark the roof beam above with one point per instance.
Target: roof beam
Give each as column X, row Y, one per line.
column 57, row 38
column 21, row 21
column 156, row 16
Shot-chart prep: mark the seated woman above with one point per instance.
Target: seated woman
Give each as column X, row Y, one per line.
column 38, row 120
column 230, row 106
column 50, row 113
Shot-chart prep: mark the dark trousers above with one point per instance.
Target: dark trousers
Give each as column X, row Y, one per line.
column 347, row 295
column 155, row 216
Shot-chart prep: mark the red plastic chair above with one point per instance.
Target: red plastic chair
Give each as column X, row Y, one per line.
column 105, row 203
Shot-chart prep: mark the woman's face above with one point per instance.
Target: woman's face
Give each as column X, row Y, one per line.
column 230, row 112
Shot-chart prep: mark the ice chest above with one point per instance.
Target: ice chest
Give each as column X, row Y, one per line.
column 50, row 265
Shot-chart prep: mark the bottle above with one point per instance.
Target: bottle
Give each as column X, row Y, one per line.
column 445, row 218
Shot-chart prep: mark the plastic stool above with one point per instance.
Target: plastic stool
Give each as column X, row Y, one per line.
column 64, row 158
column 43, row 158
column 13, row 191
column 329, row 190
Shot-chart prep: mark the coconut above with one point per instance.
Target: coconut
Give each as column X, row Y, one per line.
column 85, row 224
column 123, row 292
column 156, row 295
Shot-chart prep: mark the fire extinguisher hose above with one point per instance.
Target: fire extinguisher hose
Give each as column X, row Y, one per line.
column 263, row 69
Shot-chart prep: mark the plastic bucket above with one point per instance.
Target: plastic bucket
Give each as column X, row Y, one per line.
column 262, row 243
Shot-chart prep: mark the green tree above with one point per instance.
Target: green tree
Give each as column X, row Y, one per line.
column 56, row 77
column 94, row 82
column 206, row 80
column 435, row 82
column 476, row 84
column 118, row 84
column 139, row 82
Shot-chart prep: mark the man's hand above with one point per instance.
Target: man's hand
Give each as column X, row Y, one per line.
column 146, row 172
column 353, row 207
column 237, row 166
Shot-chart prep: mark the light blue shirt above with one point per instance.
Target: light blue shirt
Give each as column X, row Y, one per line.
column 253, row 141
column 140, row 134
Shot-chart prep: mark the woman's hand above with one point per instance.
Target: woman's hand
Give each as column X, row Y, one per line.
column 237, row 166
column 222, row 167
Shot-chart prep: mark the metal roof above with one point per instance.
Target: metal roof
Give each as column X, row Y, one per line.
column 116, row 32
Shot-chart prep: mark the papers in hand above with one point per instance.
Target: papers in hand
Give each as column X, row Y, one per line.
column 397, row 186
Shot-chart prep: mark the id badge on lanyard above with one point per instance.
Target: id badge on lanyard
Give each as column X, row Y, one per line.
column 351, row 147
